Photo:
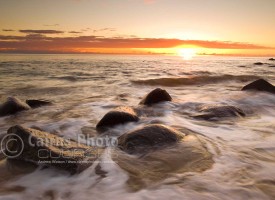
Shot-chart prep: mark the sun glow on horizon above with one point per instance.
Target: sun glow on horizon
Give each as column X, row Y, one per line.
column 187, row 53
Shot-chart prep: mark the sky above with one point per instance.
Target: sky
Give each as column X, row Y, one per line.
column 227, row 27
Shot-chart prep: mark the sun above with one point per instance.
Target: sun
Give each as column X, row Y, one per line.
column 187, row 53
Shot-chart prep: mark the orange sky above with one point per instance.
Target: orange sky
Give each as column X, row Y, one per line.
column 233, row 27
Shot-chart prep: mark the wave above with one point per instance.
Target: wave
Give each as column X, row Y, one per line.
column 77, row 78
column 67, row 78
column 194, row 80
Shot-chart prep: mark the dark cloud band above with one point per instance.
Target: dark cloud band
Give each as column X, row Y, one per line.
column 36, row 41
column 41, row 31
column 7, row 30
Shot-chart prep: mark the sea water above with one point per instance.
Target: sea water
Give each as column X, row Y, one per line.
column 85, row 87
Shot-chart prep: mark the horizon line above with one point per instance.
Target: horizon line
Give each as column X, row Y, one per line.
column 141, row 54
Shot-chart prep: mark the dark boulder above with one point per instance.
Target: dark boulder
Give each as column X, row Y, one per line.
column 143, row 139
column 215, row 112
column 120, row 115
column 271, row 65
column 35, row 103
column 47, row 149
column 260, row 85
column 12, row 106
column 258, row 63
column 156, row 96
column 271, row 59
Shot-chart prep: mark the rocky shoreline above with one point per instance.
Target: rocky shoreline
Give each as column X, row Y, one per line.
column 74, row 157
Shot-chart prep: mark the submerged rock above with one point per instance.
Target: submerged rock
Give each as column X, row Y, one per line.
column 271, row 59
column 214, row 112
column 190, row 154
column 260, row 85
column 47, row 149
column 35, row 103
column 156, row 96
column 12, row 106
column 143, row 139
column 258, row 63
column 120, row 115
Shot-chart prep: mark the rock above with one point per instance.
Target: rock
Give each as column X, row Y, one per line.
column 260, row 85
column 47, row 149
column 214, row 112
column 156, row 96
column 271, row 59
column 190, row 154
column 12, row 106
column 35, row 103
column 120, row 115
column 271, row 65
column 258, row 63
column 143, row 139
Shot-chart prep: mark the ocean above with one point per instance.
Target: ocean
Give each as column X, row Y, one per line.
column 85, row 87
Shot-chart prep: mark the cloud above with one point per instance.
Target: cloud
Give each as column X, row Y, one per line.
column 8, row 30
column 51, row 25
column 75, row 32
column 104, row 30
column 85, row 29
column 38, row 37
column 109, row 29
column 41, row 31
column 11, row 37
column 40, row 43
